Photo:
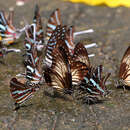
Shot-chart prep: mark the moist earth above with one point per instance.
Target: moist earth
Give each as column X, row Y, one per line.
column 44, row 112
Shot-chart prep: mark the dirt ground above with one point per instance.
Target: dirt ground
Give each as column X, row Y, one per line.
column 42, row 112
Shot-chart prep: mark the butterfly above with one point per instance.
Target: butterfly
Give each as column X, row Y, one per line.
column 93, row 82
column 32, row 59
column 33, row 63
column 92, row 87
column 53, row 22
column 79, row 63
column 8, row 33
column 54, row 41
column 88, row 78
column 124, row 73
column 21, row 91
column 34, row 32
column 78, row 69
column 33, row 67
column 58, row 76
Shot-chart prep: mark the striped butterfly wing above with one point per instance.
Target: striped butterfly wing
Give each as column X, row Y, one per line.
column 124, row 72
column 33, row 67
column 29, row 46
column 39, row 30
column 78, row 71
column 30, row 43
column 59, row 75
column 70, row 39
column 8, row 33
column 79, row 64
column 81, row 54
column 19, row 91
column 93, row 82
column 33, row 59
column 55, row 40
column 53, row 22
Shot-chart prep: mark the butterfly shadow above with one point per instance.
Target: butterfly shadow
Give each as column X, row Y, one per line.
column 2, row 62
column 92, row 101
column 123, row 87
column 17, row 106
column 56, row 94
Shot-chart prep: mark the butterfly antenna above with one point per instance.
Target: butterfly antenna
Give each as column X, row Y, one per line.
column 83, row 32
column 91, row 45
column 26, row 25
column 91, row 55
column 14, row 50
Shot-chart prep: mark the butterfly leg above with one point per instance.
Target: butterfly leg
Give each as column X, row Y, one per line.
column 124, row 88
column 17, row 106
column 90, row 100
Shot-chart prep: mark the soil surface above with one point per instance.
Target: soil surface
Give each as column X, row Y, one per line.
column 43, row 112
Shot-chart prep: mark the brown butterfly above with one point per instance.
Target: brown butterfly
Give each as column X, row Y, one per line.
column 21, row 91
column 124, row 73
column 92, row 87
column 57, row 39
column 89, row 79
column 58, row 75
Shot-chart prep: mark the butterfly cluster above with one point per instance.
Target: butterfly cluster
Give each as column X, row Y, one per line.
column 8, row 33
column 55, row 60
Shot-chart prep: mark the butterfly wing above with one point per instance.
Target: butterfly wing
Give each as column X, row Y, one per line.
column 57, row 39
column 93, row 82
column 70, row 39
column 124, row 72
column 19, row 91
column 34, row 66
column 78, row 71
column 8, row 32
column 34, row 34
column 53, row 22
column 33, row 59
column 59, row 75
column 33, row 69
column 39, row 30
column 81, row 54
